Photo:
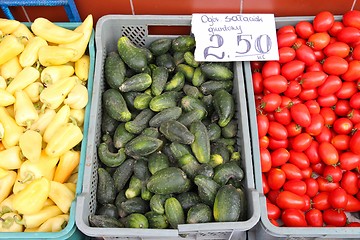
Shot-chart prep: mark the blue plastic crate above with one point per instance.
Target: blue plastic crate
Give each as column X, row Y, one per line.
column 70, row 231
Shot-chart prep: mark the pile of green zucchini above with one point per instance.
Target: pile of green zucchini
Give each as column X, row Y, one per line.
column 168, row 152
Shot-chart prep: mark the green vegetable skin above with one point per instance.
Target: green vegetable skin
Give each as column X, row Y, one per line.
column 169, row 118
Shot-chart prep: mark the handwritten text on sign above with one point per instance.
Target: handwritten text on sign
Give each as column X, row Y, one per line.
column 235, row 37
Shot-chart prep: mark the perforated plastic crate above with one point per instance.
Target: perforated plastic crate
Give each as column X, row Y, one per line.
column 108, row 30
column 264, row 229
column 70, row 229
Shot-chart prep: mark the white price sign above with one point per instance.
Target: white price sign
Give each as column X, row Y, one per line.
column 234, row 37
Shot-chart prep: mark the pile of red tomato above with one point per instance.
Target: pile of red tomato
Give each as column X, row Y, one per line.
column 308, row 117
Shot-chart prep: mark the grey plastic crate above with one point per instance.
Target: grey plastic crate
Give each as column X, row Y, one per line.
column 264, row 229
column 108, row 30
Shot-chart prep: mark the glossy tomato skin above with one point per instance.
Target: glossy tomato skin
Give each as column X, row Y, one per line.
column 292, row 69
column 293, row 89
column 275, row 83
column 312, row 187
column 316, row 125
column 316, row 67
column 349, row 182
column 318, row 41
column 338, row 198
column 257, row 81
column 321, row 201
column 276, row 178
column 272, row 195
column 295, row 186
column 265, row 185
column 355, row 101
column 256, row 66
column 306, row 172
column 330, row 86
column 312, row 80
column 265, row 159
column 342, row 126
column 299, row 159
column 300, row 114
column 341, row 142
column 275, row 144
column 332, row 173
column 342, row 107
column 339, row 49
column 286, row 39
column 353, row 72
column 313, row 106
column 270, row 68
column 283, row 116
column 353, row 204
column 270, row 102
column 334, row 217
column 263, row 125
column 325, row 136
column 306, row 55
column 354, row 116
column 335, row 65
column 329, row 115
column 327, row 101
column 318, row 168
column 312, row 152
column 347, row 90
column 349, row 35
column 308, row 94
column 304, row 29
column 356, row 53
column 325, row 185
column 277, row 130
column 293, row 129
column 328, row 153
column 314, row 218
column 292, row 172
column 323, row 21
column 301, row 142
column 279, row 157
column 293, row 218
column 352, row 19
column 349, row 160
column 355, row 143
column 273, row 211
column 287, row 199
column 286, row 54
column 264, row 142
column 336, row 28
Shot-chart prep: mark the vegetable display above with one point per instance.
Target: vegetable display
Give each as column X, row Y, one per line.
column 43, row 95
column 308, row 121
column 168, row 152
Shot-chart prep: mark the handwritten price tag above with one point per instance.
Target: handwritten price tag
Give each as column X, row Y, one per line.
column 235, row 37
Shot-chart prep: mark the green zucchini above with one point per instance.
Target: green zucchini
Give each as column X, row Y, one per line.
column 159, row 78
column 142, row 146
column 207, row 189
column 214, row 131
column 178, row 58
column 184, row 43
column 141, row 169
column 140, row 122
column 187, row 70
column 160, row 46
column 122, row 136
column 135, row 205
column 178, row 150
column 136, row 220
column 114, row 70
column 210, row 87
column 134, row 188
column 151, row 132
column 198, row 77
column 105, row 192
column 199, row 213
column 189, row 103
column 123, row 173
column 230, row 130
column 190, row 59
column 157, row 161
column 142, row 101
column 176, row 83
column 157, row 202
column 130, row 99
column 192, row 91
column 174, row 212
column 108, row 209
column 115, row 105
column 166, row 60
column 201, row 145
column 205, row 169
column 224, row 106
column 227, row 205
column 224, row 172
column 138, row 82
column 131, row 54
column 171, row 113
column 216, row 71
column 108, row 124
column 176, row 132
column 157, row 221
column 159, row 182
column 188, row 199
column 111, row 159
column 220, row 149
column 103, row 221
column 187, row 118
column 164, row 101
column 189, row 165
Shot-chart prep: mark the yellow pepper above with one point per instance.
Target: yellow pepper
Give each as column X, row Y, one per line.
column 80, row 45
column 8, row 26
column 78, row 115
column 54, row 224
column 54, row 95
column 12, row 130
column 52, row 74
column 49, row 202
column 30, row 54
column 23, row 79
column 33, row 220
column 61, row 118
column 82, row 67
column 55, row 55
column 30, row 143
column 31, row 199
column 73, row 178
column 23, row 32
column 53, row 33
column 65, row 138
column 77, row 97
column 6, row 184
column 2, row 131
column 11, row 158
column 6, row 98
column 34, row 90
column 10, row 46
column 67, row 163
column 45, row 118
column 3, row 83
column 71, row 186
column 11, row 68
column 6, row 205
column 61, row 195
column 25, row 111
column 8, row 223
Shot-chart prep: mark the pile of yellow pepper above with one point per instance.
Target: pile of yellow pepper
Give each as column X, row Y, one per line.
column 43, row 94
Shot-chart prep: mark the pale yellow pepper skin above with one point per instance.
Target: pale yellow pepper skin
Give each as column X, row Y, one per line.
column 10, row 47
column 55, row 55
column 11, row 68
column 61, row 195
column 33, row 220
column 62, row 117
column 52, row 74
column 6, row 184
column 10, row 158
column 30, row 143
column 67, row 163
column 23, row 79
column 82, row 67
column 25, row 111
column 8, row 26
column 30, row 53
column 77, row 97
column 54, row 224
column 9, row 224
column 12, row 131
